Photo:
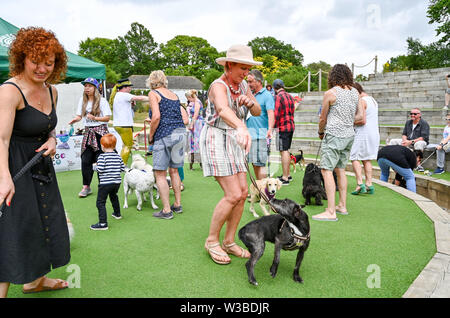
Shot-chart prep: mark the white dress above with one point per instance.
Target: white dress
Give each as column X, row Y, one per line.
column 367, row 137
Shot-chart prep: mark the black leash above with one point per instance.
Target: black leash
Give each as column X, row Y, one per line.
column 21, row 172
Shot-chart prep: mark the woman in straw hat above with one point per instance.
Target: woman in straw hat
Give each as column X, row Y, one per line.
column 224, row 142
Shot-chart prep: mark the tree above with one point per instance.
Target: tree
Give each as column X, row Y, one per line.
column 188, row 55
column 439, row 12
column 271, row 64
column 103, row 51
column 137, row 52
column 291, row 77
column 271, row 46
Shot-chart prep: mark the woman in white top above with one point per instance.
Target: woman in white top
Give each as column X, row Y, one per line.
column 95, row 112
column 366, row 143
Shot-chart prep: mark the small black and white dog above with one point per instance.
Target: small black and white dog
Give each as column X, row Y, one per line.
column 313, row 186
column 288, row 230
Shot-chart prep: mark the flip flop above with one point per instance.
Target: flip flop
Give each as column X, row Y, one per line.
column 214, row 254
column 227, row 248
column 342, row 213
column 41, row 288
column 324, row 219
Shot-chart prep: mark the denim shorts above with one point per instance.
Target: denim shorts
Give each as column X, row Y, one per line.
column 169, row 151
column 335, row 152
column 258, row 152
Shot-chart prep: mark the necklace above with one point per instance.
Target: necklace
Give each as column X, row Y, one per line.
column 234, row 91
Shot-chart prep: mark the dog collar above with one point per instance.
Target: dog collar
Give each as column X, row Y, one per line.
column 269, row 195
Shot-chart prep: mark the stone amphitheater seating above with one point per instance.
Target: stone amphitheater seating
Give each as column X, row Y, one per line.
column 396, row 94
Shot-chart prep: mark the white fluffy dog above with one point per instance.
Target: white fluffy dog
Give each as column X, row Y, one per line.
column 268, row 186
column 139, row 178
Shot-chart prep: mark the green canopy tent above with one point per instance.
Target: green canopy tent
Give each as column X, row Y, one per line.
column 78, row 67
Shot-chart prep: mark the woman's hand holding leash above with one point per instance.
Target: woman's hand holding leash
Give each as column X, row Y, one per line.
column 243, row 138
column 50, row 146
column 244, row 100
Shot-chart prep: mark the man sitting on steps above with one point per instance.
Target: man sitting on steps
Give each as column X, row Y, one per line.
column 415, row 134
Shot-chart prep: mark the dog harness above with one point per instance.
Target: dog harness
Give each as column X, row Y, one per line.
column 297, row 240
column 293, row 158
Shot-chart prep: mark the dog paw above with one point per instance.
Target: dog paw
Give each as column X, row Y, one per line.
column 155, row 207
column 298, row 279
column 253, row 282
column 125, row 206
column 139, row 208
column 273, row 272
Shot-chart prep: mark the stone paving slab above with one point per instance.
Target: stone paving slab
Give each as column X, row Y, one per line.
column 433, row 281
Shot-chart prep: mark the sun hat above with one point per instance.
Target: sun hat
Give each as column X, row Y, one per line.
column 277, row 84
column 238, row 53
column 90, row 80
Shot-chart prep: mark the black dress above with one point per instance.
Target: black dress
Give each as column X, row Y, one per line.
column 33, row 231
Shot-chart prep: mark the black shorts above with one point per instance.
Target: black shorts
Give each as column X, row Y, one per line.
column 284, row 140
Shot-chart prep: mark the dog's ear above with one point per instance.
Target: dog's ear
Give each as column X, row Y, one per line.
column 279, row 184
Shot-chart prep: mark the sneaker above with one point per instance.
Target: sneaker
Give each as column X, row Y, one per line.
column 117, row 216
column 99, row 226
column 420, row 168
column 445, row 107
column 178, row 209
column 283, row 182
column 439, row 171
column 162, row 215
column 281, row 178
column 85, row 192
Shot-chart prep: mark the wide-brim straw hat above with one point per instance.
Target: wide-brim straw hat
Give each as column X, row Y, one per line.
column 238, row 53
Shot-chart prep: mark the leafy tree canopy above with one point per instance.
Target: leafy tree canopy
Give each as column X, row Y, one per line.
column 271, row 46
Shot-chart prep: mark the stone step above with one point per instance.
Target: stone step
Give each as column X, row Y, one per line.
column 434, row 117
column 311, row 147
column 310, row 131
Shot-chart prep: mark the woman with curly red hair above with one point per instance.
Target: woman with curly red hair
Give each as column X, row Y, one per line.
column 33, row 229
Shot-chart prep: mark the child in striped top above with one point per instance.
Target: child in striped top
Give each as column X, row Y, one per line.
column 109, row 166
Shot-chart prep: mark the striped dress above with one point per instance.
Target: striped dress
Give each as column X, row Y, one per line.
column 109, row 167
column 220, row 153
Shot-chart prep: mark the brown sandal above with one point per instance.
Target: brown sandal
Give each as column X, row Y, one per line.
column 227, row 248
column 61, row 284
column 214, row 254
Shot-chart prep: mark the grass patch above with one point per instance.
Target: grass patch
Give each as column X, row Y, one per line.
column 140, row 256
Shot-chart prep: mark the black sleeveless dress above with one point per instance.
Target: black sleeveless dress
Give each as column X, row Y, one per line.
column 33, row 231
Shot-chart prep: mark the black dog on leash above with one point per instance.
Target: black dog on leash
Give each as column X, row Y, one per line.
column 289, row 230
column 313, row 186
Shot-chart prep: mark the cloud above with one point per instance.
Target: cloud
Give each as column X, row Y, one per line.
column 334, row 31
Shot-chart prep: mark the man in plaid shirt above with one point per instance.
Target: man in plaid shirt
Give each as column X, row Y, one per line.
column 284, row 121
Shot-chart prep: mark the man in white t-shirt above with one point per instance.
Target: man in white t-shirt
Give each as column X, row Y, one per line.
column 123, row 115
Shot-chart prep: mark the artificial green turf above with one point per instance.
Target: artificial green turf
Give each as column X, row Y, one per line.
column 140, row 256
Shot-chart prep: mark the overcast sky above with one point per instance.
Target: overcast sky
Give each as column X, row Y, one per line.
column 334, row 31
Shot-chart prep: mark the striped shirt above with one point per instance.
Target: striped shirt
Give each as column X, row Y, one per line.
column 109, row 167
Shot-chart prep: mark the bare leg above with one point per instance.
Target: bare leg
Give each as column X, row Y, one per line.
column 260, row 172
column 4, row 290
column 163, row 188
column 342, row 184
column 176, row 185
column 368, row 172
column 447, row 99
column 358, row 173
column 236, row 213
column 285, row 163
column 330, row 188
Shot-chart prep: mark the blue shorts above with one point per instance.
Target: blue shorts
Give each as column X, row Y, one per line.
column 169, row 151
column 258, row 152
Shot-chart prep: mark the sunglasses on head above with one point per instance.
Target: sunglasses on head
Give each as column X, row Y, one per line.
column 415, row 114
